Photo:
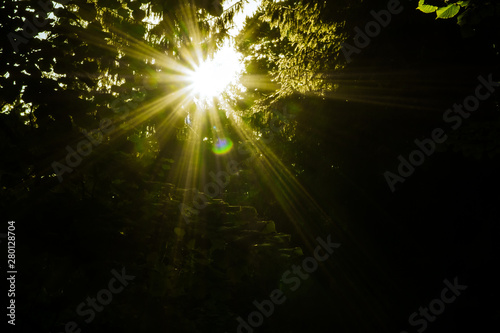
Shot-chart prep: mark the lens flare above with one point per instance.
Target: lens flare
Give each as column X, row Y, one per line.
column 222, row 146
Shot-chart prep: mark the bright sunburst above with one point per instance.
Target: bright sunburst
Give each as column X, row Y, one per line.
column 211, row 78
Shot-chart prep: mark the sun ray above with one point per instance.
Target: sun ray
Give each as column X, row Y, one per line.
column 202, row 80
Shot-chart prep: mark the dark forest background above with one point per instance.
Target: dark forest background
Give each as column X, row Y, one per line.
column 348, row 123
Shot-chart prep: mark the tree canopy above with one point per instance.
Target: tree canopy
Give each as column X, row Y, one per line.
column 112, row 162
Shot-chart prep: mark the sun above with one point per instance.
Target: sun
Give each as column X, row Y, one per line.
column 212, row 77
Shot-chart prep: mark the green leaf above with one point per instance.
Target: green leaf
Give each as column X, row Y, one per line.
column 448, row 11
column 463, row 18
column 426, row 8
column 269, row 228
column 298, row 251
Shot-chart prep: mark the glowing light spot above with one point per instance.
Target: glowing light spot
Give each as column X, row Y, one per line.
column 222, row 146
column 213, row 76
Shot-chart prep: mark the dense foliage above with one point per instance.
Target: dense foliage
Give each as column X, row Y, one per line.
column 321, row 132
